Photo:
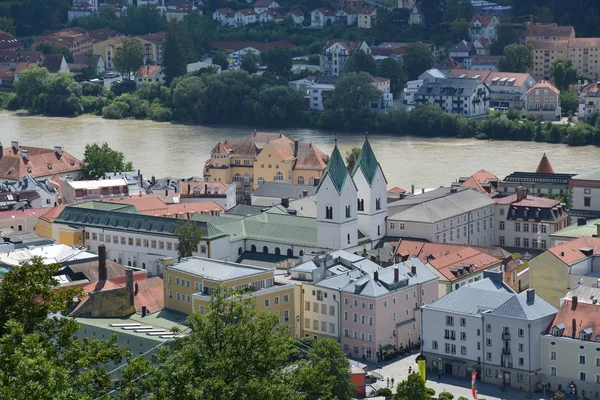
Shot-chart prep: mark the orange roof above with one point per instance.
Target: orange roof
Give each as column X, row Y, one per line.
column 544, row 85
column 468, row 73
column 483, row 176
column 154, row 205
column 544, row 166
column 519, row 78
column 52, row 213
column 570, row 252
column 585, row 315
column 480, row 178
column 485, row 19
column 309, row 157
column 529, row 201
column 283, row 148
column 42, row 162
column 148, row 71
column 426, row 250
column 24, row 212
column 469, row 260
column 150, row 293
column 397, row 189
column 200, row 187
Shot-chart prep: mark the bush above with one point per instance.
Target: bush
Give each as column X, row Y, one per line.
column 91, row 89
column 117, row 110
column 12, row 103
column 445, row 396
column 93, row 104
column 462, row 398
column 160, row 113
column 430, row 392
column 314, row 59
column 385, row 392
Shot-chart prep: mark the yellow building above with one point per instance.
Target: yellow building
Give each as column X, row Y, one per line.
column 189, row 284
column 367, row 17
column 264, row 157
column 107, row 48
column 152, row 47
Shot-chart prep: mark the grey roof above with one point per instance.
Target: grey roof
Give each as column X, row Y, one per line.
column 593, row 175
column 277, row 189
column 216, row 270
column 245, row 210
column 28, row 183
column 494, row 299
column 437, row 205
column 585, row 294
column 261, row 260
column 463, row 87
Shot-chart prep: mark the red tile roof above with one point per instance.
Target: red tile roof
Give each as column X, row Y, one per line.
column 570, row 252
column 544, row 85
column 262, row 46
column 481, row 181
column 226, row 11
column 52, row 213
column 200, row 187
column 150, row 293
column 585, row 315
column 327, row 12
column 397, row 189
column 156, row 37
column 448, row 63
column 297, row 13
column 264, row 3
column 366, row 10
column 154, row 205
column 247, row 11
column 350, row 45
column 539, row 30
column 149, row 71
column 22, row 213
column 474, row 260
column 42, row 162
column 544, row 166
column 468, row 73
column 485, row 19
column 519, row 78
column 529, row 201
column 485, row 60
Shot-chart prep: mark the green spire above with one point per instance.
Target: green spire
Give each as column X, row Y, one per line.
column 336, row 169
column 367, row 162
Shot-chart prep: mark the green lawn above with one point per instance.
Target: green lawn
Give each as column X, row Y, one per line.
column 525, row 262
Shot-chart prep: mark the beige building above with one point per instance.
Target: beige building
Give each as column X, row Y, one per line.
column 367, row 17
column 543, row 101
column 75, row 39
column 107, row 49
column 265, row 157
column 570, row 356
column 189, row 285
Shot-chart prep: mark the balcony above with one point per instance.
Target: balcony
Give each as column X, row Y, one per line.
column 506, row 336
column 506, row 351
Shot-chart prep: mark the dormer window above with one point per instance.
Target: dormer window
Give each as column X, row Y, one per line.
column 585, row 334
column 558, row 329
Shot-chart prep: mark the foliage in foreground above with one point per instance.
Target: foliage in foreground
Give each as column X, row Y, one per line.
column 100, row 159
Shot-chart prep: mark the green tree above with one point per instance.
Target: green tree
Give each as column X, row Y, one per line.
column 100, row 159
column 413, row 388
column 569, row 102
column 516, row 58
column 128, row 58
column 563, row 73
column 353, row 92
column 458, row 9
column 47, row 48
column 392, row 69
column 277, row 106
column 44, row 47
column 361, row 62
column 174, row 60
column 221, row 59
column 31, row 89
column 63, row 96
column 278, row 61
column 433, row 11
column 417, row 59
column 189, row 235
column 351, row 157
column 7, row 25
column 445, row 396
column 506, row 36
column 249, row 63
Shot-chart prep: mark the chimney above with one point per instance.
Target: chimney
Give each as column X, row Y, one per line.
column 574, row 301
column 59, row 151
column 581, row 221
column 15, row 146
column 412, row 189
column 102, row 272
column 573, row 328
column 413, row 270
column 166, row 192
column 153, row 180
column 396, row 274
column 530, row 295
column 25, row 155
column 141, row 179
column 376, row 275
column 129, row 284
column 295, row 147
column 285, row 201
column 144, row 311
column 304, row 192
column 205, row 189
column 137, row 288
column 189, row 188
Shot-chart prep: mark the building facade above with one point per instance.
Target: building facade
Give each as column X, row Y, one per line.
column 543, row 101
column 467, row 97
column 336, row 53
column 584, row 193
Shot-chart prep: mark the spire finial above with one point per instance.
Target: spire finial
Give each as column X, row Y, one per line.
column 366, row 135
column 335, row 140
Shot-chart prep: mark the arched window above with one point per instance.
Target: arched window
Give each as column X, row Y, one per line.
column 378, row 230
column 143, row 265
column 253, row 248
column 279, row 176
column 237, row 178
column 129, row 263
column 260, row 181
column 311, row 181
column 290, row 253
column 246, row 179
column 301, row 253
column 265, row 250
column 300, row 180
column 277, row 251
column 328, row 212
column 240, row 251
column 361, row 204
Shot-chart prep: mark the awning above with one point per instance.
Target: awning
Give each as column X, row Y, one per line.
column 452, row 361
column 387, row 347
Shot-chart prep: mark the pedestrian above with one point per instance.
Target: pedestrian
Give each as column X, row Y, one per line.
column 388, row 382
column 392, row 383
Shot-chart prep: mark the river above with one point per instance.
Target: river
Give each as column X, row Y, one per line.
column 164, row 149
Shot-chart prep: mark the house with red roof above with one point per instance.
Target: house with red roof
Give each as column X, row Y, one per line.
column 261, row 6
column 589, row 100
column 482, row 181
column 336, row 53
column 484, row 26
column 9, row 43
column 543, row 101
column 224, row 16
column 321, row 17
column 245, row 17
column 148, row 73
column 297, row 16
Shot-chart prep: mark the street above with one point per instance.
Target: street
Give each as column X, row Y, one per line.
column 458, row 387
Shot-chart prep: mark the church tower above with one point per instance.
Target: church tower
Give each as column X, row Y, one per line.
column 337, row 222
column 372, row 193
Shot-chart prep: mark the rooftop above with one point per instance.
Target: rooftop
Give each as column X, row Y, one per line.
column 55, row 254
column 18, row 161
column 216, row 270
column 463, row 263
column 367, row 163
column 593, row 175
column 539, row 30
column 449, row 87
column 575, row 250
column 583, row 317
column 230, row 46
column 589, row 229
column 277, row 189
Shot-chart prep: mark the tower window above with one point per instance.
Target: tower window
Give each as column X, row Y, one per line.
column 378, row 230
column 378, row 203
column 348, row 211
column 328, row 212
column 348, row 238
column 361, row 205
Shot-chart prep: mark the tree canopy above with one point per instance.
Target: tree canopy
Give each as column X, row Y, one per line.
column 516, row 58
column 351, row 157
column 413, row 388
column 174, row 58
column 417, row 59
column 189, row 235
column 100, row 159
column 393, row 70
column 563, row 73
column 361, row 62
column 129, row 57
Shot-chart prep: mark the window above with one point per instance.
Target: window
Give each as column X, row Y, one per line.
column 501, row 240
column 323, row 326
column 138, row 242
column 517, row 242
column 525, row 242
column 520, row 377
column 521, row 332
column 587, row 191
column 488, row 356
column 267, row 303
column 517, row 227
column 434, row 345
column 463, row 336
column 355, row 317
column 370, row 321
column 362, row 319
column 286, row 298
column 587, row 201
column 553, row 355
column 520, row 347
column 582, row 376
column 279, row 176
column 581, row 359
column 488, row 342
column 449, row 320
column 331, row 327
column 328, row 212
column 378, row 203
column 307, row 306
column 525, row 227
column 501, row 225
column 346, row 315
column 315, row 325
column 543, row 228
column 463, row 322
column 348, row 211
column 276, row 300
column 488, row 327
column 332, row 310
column 542, row 244
column 553, row 371
column 320, row 295
column 463, row 350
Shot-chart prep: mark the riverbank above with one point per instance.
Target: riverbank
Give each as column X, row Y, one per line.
column 164, row 149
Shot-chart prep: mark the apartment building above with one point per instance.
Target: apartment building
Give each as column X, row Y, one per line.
column 190, row 283
column 444, row 215
column 584, row 193
column 570, row 355
column 76, row 39
column 483, row 25
column 73, row 191
column 564, row 267
column 526, row 221
column 543, row 101
column 467, row 97
column 486, row 327
column 372, row 311
column 589, row 101
column 336, row 53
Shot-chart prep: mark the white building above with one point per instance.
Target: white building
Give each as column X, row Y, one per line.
column 589, row 101
column 483, row 25
column 467, row 97
column 263, row 5
column 224, row 17
column 321, row 17
column 584, row 191
column 444, row 215
column 486, row 327
column 297, row 17
column 336, row 53
column 72, row 191
column 272, row 193
column 412, row 87
column 245, row 17
column 44, row 188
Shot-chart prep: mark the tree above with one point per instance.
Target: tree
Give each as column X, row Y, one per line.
column 569, row 102
column 278, row 61
column 249, row 63
column 189, row 235
column 174, row 59
column 98, row 160
column 445, row 396
column 64, row 96
column 353, row 92
column 31, row 89
column 506, row 36
column 433, row 11
column 351, row 157
column 361, row 62
column 392, row 69
column 48, row 48
column 517, row 58
column 413, row 388
column 44, row 47
column 458, row 9
column 563, row 73
column 221, row 59
column 129, row 57
column 7, row 25
column 277, row 106
column 417, row 59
